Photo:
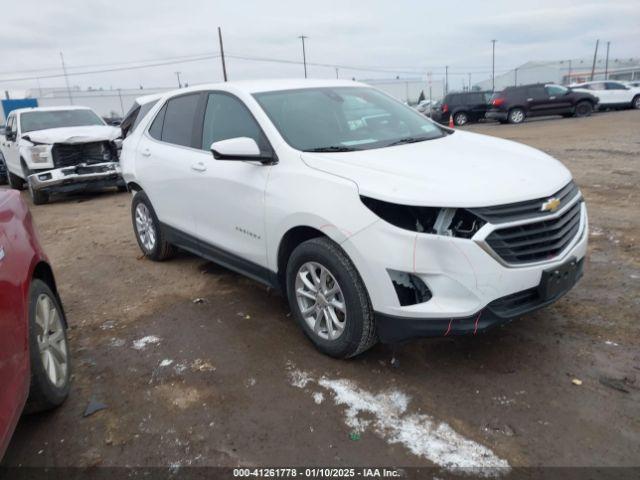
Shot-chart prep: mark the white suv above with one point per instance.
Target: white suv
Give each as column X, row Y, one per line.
column 375, row 222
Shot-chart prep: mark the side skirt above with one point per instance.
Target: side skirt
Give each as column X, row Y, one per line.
column 221, row 257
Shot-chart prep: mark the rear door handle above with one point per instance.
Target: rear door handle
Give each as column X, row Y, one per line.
column 146, row 152
column 199, row 167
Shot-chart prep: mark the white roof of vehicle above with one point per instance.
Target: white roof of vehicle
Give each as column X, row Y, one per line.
column 49, row 109
column 270, row 85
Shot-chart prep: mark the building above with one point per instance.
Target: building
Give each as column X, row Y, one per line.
column 408, row 90
column 565, row 72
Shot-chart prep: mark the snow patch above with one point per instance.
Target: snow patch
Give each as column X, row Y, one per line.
column 387, row 416
column 166, row 362
column 299, row 378
column 142, row 343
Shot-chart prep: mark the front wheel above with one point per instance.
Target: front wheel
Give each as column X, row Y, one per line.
column 147, row 229
column 516, row 115
column 48, row 349
column 38, row 197
column 15, row 181
column 329, row 299
column 583, row 109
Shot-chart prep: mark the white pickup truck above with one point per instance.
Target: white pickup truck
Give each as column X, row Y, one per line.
column 60, row 149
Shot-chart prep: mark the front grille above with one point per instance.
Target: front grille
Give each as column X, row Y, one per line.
column 526, row 209
column 69, row 155
column 536, row 241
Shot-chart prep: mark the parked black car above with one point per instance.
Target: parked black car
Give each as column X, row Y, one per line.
column 514, row 104
column 464, row 106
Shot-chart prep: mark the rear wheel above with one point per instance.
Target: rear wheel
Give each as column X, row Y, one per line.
column 583, row 109
column 329, row 299
column 516, row 115
column 147, row 229
column 48, row 349
column 460, row 119
column 635, row 103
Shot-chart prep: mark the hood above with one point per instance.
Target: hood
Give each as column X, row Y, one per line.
column 92, row 133
column 460, row 170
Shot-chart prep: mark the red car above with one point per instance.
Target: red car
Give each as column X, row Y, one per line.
column 34, row 355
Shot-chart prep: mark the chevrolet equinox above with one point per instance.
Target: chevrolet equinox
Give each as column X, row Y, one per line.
column 375, row 222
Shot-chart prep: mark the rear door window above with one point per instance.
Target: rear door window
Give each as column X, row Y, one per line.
column 537, row 92
column 179, row 120
column 156, row 127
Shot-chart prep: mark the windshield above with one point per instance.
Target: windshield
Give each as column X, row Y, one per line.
column 344, row 119
column 31, row 121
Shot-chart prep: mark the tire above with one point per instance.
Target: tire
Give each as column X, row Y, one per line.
column 635, row 103
column 47, row 392
column 147, row 229
column 15, row 181
column 516, row 116
column 356, row 318
column 38, row 197
column 583, row 109
column 460, row 118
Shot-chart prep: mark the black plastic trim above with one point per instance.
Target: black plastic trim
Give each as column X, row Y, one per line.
column 220, row 256
column 394, row 329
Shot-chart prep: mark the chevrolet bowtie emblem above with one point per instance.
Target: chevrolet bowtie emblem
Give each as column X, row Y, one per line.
column 550, row 205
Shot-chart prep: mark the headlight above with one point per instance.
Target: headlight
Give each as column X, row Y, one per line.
column 454, row 222
column 40, row 153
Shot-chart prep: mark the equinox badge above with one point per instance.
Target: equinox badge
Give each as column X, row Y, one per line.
column 551, row 205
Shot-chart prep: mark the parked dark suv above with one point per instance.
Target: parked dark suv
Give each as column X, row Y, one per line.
column 464, row 106
column 514, row 104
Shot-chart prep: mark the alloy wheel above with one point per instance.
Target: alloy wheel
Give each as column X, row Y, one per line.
column 144, row 227
column 320, row 300
column 51, row 340
column 517, row 116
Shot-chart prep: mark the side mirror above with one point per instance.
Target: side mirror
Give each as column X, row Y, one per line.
column 240, row 149
column 8, row 134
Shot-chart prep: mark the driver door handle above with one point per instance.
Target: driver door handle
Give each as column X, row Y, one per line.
column 199, row 167
column 146, row 152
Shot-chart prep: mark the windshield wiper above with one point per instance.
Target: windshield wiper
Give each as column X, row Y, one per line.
column 407, row 140
column 332, row 148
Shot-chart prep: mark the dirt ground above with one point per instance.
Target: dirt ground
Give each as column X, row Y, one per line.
column 230, row 380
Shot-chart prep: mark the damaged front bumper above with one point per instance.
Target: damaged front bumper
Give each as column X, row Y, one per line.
column 97, row 175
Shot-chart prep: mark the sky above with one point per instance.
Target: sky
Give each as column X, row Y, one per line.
column 367, row 39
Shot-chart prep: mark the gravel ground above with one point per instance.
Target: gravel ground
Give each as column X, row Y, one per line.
column 230, row 380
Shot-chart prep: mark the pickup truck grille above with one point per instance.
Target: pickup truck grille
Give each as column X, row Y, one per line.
column 536, row 241
column 526, row 209
column 69, row 155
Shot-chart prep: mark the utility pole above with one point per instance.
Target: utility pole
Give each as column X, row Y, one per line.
column 337, row 76
column 224, row 66
column 493, row 66
column 569, row 75
column 469, row 80
column 430, row 95
column 121, row 105
column 66, row 78
column 595, row 55
column 304, row 54
column 606, row 64
column 515, row 83
column 178, row 75
column 446, row 79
